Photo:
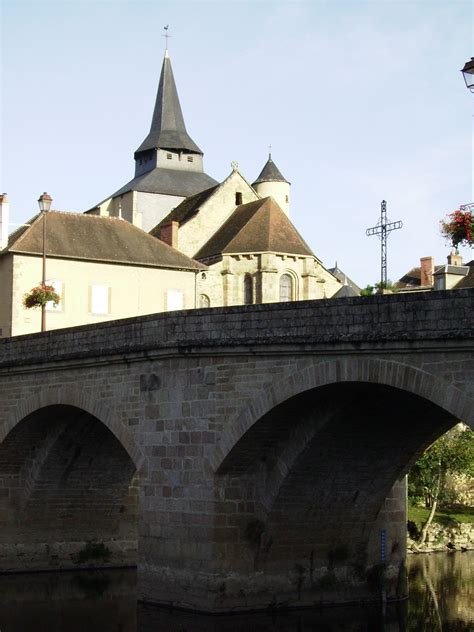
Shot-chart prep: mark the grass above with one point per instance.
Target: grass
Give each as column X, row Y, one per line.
column 446, row 517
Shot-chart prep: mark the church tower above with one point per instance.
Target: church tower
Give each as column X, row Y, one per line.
column 271, row 182
column 168, row 144
column 168, row 164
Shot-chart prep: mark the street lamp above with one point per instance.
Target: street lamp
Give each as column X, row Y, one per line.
column 468, row 74
column 44, row 202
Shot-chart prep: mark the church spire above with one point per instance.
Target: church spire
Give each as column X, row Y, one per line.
column 168, row 130
column 271, row 182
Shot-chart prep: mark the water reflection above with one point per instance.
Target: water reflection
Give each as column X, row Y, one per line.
column 441, row 594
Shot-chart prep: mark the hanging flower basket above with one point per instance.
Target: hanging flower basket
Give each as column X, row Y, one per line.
column 458, row 228
column 40, row 295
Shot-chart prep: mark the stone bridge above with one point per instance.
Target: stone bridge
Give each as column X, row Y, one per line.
column 242, row 457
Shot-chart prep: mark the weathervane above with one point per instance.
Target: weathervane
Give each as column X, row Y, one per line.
column 165, row 34
column 382, row 229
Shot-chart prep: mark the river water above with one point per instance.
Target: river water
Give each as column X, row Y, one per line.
column 441, row 599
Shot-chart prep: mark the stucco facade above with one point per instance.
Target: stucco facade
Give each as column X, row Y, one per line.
column 127, row 290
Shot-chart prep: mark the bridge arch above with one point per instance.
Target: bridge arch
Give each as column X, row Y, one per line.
column 69, row 491
column 80, row 399
column 339, row 371
column 317, row 462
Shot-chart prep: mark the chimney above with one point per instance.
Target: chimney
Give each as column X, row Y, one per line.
column 426, row 271
column 4, row 219
column 169, row 233
column 454, row 259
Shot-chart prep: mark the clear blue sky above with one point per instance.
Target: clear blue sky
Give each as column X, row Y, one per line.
column 361, row 101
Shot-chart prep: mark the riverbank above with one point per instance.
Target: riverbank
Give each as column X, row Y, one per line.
column 449, row 531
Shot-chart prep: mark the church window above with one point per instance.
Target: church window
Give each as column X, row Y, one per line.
column 169, row 156
column 238, row 198
column 248, row 289
column 190, row 158
column 286, row 288
column 286, row 198
column 204, row 301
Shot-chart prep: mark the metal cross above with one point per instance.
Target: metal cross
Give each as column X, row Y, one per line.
column 165, row 34
column 270, row 150
column 382, row 229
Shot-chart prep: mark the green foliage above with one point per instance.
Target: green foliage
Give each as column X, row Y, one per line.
column 453, row 453
column 417, row 516
column 370, row 290
column 39, row 296
column 327, row 581
column 93, row 552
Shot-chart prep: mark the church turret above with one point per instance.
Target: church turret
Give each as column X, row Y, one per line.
column 271, row 182
column 168, row 144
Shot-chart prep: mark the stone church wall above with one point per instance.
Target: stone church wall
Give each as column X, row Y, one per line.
column 197, row 231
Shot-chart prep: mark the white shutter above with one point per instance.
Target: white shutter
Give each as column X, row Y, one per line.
column 58, row 288
column 174, row 300
column 99, row 299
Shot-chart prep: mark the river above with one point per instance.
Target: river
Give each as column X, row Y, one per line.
column 441, row 599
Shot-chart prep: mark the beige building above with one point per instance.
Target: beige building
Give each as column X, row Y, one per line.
column 102, row 268
column 430, row 276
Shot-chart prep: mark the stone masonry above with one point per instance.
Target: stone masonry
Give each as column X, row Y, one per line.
column 268, row 445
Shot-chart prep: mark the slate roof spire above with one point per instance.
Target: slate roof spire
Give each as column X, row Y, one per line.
column 168, row 130
column 270, row 173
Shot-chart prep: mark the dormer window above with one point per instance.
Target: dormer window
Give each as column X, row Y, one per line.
column 169, row 156
column 238, row 198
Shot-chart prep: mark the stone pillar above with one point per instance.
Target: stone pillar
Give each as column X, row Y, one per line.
column 267, row 280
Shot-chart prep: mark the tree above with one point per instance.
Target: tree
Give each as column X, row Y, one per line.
column 453, row 453
column 369, row 290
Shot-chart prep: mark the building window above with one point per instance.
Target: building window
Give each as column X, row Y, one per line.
column 174, row 300
column 287, row 199
column 169, row 156
column 248, row 289
column 59, row 289
column 190, row 158
column 238, row 198
column 204, row 301
column 286, row 288
column 100, row 300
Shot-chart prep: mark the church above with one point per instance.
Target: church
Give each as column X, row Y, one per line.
column 242, row 232
column 171, row 238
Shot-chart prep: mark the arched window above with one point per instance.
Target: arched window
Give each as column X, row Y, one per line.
column 204, row 301
column 248, row 289
column 286, row 288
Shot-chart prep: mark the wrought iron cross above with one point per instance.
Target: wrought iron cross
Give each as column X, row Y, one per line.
column 383, row 227
column 166, row 35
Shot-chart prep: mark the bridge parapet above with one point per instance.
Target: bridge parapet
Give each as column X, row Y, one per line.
column 403, row 317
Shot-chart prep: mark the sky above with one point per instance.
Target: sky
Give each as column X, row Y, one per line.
column 360, row 101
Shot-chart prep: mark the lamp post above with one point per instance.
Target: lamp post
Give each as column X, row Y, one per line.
column 44, row 202
column 468, row 74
